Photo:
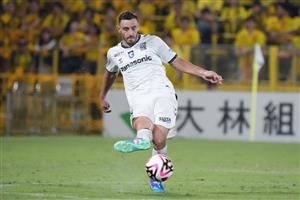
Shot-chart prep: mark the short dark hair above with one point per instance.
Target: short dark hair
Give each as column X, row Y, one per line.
column 127, row 15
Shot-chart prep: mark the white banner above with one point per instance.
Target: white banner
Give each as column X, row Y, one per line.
column 219, row 115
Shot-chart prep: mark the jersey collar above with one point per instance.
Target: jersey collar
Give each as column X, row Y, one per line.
column 139, row 37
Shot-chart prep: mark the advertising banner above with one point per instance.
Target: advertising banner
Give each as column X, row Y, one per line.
column 219, row 115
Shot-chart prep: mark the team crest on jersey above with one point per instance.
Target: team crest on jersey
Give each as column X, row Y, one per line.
column 143, row 46
column 131, row 54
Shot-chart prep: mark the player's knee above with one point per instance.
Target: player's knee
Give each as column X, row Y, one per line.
column 159, row 137
column 142, row 123
column 159, row 143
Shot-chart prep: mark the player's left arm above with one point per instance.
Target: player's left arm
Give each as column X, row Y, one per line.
column 188, row 67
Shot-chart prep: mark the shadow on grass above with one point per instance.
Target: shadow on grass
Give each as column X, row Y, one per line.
column 165, row 195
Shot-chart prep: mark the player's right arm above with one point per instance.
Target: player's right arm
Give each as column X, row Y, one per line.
column 109, row 78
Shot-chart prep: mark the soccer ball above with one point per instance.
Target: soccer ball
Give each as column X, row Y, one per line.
column 159, row 167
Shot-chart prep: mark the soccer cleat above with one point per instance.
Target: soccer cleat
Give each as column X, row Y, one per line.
column 127, row 146
column 156, row 186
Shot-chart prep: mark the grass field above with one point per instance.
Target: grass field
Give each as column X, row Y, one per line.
column 87, row 168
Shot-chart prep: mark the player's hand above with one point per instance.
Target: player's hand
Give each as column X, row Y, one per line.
column 212, row 77
column 105, row 106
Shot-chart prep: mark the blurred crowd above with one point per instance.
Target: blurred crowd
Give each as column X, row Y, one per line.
column 81, row 31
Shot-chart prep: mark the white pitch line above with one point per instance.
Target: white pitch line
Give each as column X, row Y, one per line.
column 45, row 195
column 259, row 171
column 58, row 197
column 8, row 185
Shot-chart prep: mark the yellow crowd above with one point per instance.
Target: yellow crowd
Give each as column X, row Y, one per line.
column 83, row 30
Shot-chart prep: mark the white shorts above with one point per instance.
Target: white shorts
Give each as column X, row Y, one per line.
column 160, row 106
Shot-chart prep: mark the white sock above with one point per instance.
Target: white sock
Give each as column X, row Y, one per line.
column 144, row 134
column 163, row 151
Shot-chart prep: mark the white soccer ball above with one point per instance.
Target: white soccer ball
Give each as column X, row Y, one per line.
column 159, row 167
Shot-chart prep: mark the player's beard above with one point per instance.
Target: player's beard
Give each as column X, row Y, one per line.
column 131, row 40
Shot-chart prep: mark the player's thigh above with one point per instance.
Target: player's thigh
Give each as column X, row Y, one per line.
column 165, row 111
column 141, row 112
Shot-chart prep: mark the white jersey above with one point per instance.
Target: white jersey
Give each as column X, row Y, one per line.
column 149, row 92
column 141, row 65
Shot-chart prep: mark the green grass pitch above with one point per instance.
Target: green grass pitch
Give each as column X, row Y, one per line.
column 87, row 168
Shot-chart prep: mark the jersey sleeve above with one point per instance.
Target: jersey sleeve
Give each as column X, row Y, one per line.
column 166, row 54
column 110, row 64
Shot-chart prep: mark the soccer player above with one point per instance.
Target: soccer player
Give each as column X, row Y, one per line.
column 150, row 94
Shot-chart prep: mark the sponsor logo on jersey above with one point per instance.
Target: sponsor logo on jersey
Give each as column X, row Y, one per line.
column 117, row 54
column 131, row 54
column 165, row 119
column 143, row 46
column 135, row 62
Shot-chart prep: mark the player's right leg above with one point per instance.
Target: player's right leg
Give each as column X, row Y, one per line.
column 143, row 125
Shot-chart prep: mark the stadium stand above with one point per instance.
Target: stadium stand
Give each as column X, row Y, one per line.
column 47, row 45
column 218, row 22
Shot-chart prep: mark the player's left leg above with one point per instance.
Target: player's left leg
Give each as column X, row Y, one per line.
column 159, row 140
column 165, row 111
column 165, row 117
column 159, row 147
